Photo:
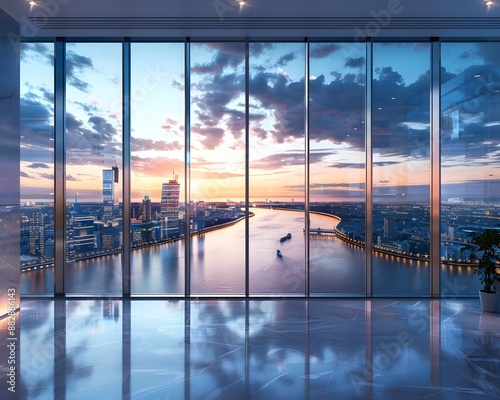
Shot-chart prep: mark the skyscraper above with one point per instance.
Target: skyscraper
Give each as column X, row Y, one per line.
column 146, row 208
column 108, row 195
column 170, row 208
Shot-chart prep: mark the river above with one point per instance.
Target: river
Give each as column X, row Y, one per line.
column 218, row 266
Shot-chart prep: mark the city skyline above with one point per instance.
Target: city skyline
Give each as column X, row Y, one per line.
column 277, row 146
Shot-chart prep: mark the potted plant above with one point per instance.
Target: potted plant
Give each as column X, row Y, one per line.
column 485, row 247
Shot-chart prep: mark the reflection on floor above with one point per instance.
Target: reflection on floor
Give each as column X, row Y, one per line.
column 259, row 349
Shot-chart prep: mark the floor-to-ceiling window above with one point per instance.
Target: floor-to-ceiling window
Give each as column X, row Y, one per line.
column 470, row 138
column 157, row 168
column 401, row 168
column 217, row 168
column 276, row 162
column 93, row 143
column 225, row 166
column 337, row 168
column 37, row 168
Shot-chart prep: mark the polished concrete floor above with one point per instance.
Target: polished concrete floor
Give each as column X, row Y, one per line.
column 259, row 349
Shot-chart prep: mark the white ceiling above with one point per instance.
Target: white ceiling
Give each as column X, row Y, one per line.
column 258, row 19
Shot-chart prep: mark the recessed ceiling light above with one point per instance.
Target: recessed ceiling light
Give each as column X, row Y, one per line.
column 489, row 3
column 241, row 3
column 477, row 75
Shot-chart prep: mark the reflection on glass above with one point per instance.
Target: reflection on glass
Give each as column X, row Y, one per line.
column 217, row 157
column 158, row 361
column 157, row 168
column 93, row 355
column 337, row 168
column 37, row 168
column 94, row 164
column 401, row 168
column 470, row 138
column 37, row 349
column 408, row 345
column 217, row 350
column 277, row 159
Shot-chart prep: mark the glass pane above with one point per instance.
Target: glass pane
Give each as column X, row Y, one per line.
column 94, row 349
column 217, row 168
column 93, row 168
column 37, row 168
column 157, row 356
column 157, row 168
column 337, row 168
column 218, row 351
column 277, row 160
column 470, row 138
column 401, row 168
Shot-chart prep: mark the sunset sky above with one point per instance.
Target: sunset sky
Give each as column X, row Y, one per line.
column 401, row 120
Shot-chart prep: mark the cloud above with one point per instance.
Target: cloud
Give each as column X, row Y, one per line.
column 322, row 50
column 139, row 144
column 354, row 62
column 228, row 55
column 24, row 174
column 340, row 165
column 75, row 65
column 103, row 127
column 38, row 165
column 284, row 60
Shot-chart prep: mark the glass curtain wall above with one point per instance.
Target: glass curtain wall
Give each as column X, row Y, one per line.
column 157, row 168
column 37, row 168
column 277, row 168
column 401, row 168
column 217, row 168
column 337, row 168
column 470, row 139
column 93, row 168
column 276, row 153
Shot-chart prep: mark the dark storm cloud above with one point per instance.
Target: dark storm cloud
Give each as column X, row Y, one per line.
column 36, row 129
column 274, row 92
column 95, row 140
column 354, row 62
column 348, row 165
column 323, row 50
column 38, row 165
column 75, row 65
column 228, row 55
column 337, row 111
column 213, row 100
column 284, row 60
column 102, row 126
column 211, row 136
column 38, row 52
column 276, row 161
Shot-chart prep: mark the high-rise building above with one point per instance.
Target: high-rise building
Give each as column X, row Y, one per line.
column 37, row 234
column 108, row 195
column 390, row 227
column 82, row 237
column 170, row 208
column 198, row 215
column 146, row 209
